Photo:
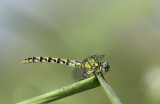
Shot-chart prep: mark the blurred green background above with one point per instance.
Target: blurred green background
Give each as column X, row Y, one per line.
column 126, row 31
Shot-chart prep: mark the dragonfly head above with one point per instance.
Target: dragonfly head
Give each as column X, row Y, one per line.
column 106, row 66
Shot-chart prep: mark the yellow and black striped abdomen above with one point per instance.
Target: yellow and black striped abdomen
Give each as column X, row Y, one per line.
column 72, row 63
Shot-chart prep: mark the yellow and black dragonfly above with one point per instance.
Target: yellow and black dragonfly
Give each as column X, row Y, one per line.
column 95, row 64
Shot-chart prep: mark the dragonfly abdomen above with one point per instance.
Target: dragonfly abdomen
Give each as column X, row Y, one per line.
column 72, row 63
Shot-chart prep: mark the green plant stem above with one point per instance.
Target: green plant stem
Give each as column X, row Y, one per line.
column 81, row 86
column 110, row 93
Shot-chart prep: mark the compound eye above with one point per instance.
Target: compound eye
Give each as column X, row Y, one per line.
column 105, row 64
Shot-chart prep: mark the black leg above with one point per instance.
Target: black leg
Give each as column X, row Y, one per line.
column 102, row 76
column 84, row 77
column 94, row 74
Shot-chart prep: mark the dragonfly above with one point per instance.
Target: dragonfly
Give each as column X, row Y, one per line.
column 95, row 64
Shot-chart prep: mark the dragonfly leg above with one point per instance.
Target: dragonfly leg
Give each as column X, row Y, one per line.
column 102, row 76
column 87, row 75
column 84, row 77
column 94, row 73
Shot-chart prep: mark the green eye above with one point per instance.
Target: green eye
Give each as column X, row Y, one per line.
column 105, row 64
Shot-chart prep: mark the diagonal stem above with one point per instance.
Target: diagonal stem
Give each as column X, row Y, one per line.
column 108, row 90
column 75, row 88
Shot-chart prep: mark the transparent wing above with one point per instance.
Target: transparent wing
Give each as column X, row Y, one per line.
column 100, row 58
column 78, row 73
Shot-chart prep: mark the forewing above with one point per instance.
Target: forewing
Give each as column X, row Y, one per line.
column 100, row 58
